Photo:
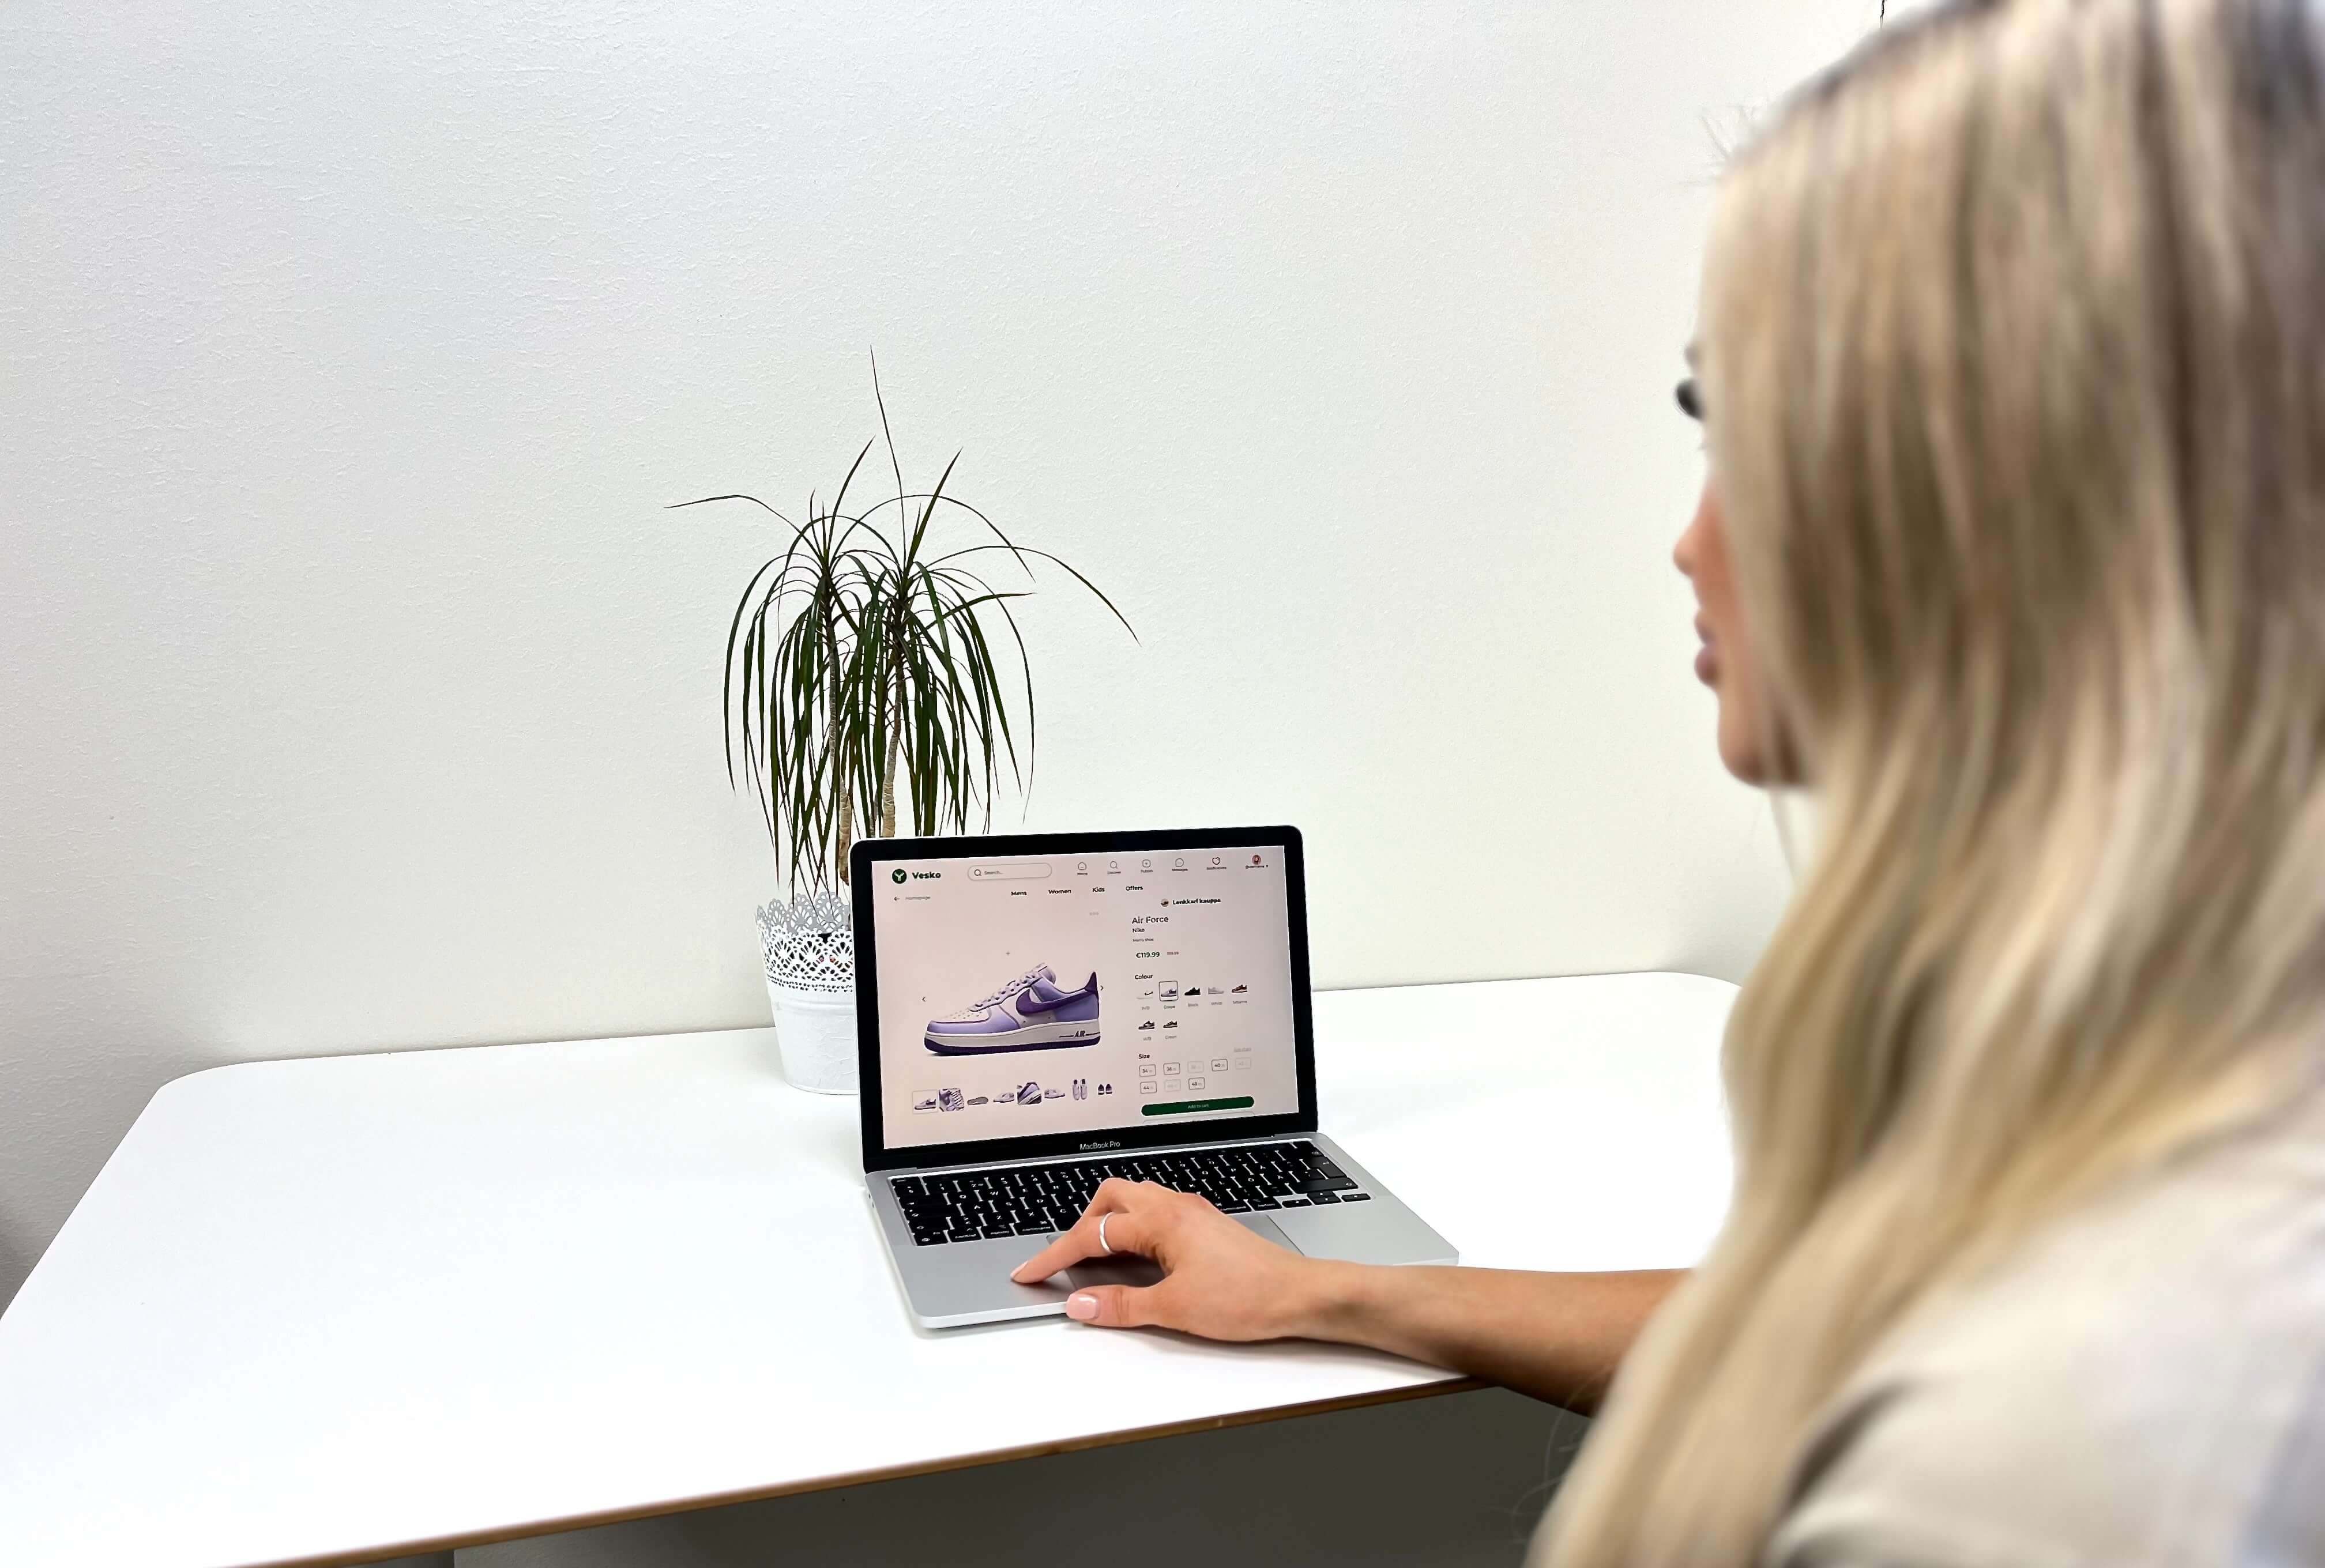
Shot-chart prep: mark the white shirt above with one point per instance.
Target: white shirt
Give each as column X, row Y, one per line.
column 2142, row 1383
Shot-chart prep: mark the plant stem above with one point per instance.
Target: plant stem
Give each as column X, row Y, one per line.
column 888, row 791
column 895, row 731
column 843, row 827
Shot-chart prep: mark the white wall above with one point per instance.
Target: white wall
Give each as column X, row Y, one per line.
column 359, row 693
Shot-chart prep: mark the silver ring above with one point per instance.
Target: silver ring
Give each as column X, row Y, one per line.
column 1102, row 1247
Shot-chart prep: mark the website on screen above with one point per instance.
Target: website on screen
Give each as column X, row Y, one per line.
column 1078, row 993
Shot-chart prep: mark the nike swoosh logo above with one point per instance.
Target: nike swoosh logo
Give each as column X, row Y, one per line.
column 1028, row 1002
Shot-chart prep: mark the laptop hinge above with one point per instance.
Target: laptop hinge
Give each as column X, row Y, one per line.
column 1086, row 1157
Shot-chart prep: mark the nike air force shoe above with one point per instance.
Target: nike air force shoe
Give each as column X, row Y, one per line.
column 1030, row 1013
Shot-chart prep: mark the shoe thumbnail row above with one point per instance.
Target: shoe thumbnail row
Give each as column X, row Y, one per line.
column 1169, row 990
column 1026, row 1093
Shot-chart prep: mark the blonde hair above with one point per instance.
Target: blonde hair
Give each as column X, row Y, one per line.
column 2014, row 356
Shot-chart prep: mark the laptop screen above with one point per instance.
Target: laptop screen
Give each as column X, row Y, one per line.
column 1032, row 995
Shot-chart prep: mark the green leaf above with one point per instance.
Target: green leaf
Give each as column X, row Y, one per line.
column 859, row 666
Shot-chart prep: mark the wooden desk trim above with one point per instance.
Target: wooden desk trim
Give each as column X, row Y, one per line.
column 1450, row 1385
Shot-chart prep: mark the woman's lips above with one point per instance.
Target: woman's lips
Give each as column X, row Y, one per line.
column 1707, row 658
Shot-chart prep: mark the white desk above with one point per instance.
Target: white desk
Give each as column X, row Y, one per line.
column 338, row 1309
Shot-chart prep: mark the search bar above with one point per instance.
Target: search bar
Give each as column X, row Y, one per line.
column 1015, row 871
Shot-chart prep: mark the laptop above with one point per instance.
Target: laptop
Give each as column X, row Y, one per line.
column 1038, row 1012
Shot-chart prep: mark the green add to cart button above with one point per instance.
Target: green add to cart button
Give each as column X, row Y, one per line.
column 1187, row 1107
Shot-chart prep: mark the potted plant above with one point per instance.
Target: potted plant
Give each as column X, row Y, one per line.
column 867, row 671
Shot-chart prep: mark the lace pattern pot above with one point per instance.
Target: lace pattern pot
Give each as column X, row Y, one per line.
column 809, row 949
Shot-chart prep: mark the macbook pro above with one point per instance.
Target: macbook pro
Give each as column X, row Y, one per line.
column 1036, row 1013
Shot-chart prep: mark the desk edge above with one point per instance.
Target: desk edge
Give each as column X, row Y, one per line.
column 1448, row 1384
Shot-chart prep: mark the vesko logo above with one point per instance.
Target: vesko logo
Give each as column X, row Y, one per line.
column 897, row 875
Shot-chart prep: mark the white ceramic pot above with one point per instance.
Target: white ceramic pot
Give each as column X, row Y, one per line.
column 815, row 1031
column 811, row 969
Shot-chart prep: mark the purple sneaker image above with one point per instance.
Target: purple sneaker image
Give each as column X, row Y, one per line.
column 1030, row 1013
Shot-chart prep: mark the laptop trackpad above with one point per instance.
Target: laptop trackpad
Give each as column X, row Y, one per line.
column 1122, row 1268
column 1129, row 1269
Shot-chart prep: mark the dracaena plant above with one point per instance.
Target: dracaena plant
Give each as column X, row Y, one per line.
column 872, row 657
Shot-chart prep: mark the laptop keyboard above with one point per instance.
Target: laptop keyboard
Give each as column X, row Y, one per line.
column 1033, row 1200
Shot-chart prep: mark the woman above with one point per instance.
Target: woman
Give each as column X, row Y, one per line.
column 2012, row 370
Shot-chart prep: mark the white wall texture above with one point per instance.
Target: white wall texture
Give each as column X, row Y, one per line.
column 359, row 693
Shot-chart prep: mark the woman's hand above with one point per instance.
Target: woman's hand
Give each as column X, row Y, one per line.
column 1555, row 1336
column 1220, row 1281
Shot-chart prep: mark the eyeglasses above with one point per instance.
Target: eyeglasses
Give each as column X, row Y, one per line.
column 1691, row 400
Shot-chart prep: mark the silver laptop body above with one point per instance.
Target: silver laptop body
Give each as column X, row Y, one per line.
column 1036, row 1012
